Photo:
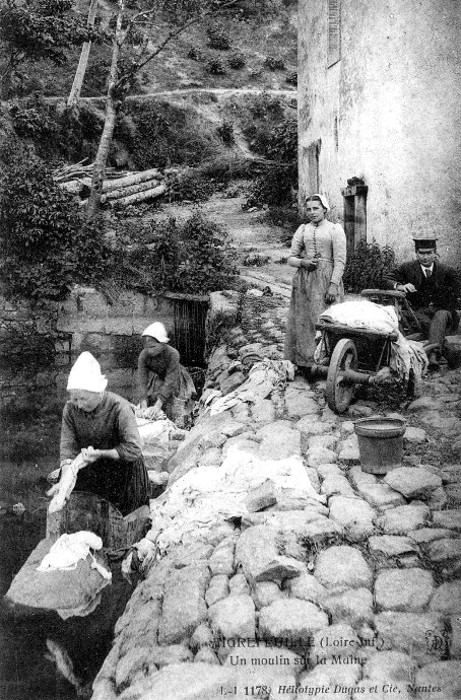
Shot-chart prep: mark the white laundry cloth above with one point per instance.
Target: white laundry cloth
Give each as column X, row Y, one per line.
column 362, row 314
column 67, row 551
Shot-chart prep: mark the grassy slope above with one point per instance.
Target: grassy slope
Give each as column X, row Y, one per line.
column 254, row 39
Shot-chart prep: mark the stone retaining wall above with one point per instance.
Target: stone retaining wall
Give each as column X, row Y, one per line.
column 350, row 588
column 39, row 343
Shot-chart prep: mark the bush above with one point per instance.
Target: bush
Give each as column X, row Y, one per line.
column 367, row 266
column 292, row 79
column 189, row 187
column 215, row 66
column 274, row 187
column 195, row 54
column 236, row 61
column 192, row 257
column 218, row 39
column 274, row 63
column 166, row 135
column 45, row 248
column 226, row 132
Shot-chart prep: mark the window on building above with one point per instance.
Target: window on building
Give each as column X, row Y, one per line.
column 355, row 212
column 334, row 31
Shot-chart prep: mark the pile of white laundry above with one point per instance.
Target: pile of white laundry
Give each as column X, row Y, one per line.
column 207, row 496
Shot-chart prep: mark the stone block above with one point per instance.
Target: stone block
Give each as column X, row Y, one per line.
column 311, row 425
column 257, row 551
column 354, row 607
column 445, row 551
column 184, row 605
column 349, row 450
column 238, row 585
column 403, row 519
column 265, row 592
column 306, row 587
column 412, row 482
column 408, row 590
column 328, row 440
column 261, row 497
column 390, row 667
column 263, row 412
column 429, row 534
column 354, row 515
column 450, row 519
column 443, row 678
column 222, row 559
column 320, row 455
column 415, row 436
column 212, row 456
column 217, row 590
column 447, row 598
column 280, row 445
column 234, row 616
column 291, row 619
column 408, row 632
column 392, row 545
column 342, row 567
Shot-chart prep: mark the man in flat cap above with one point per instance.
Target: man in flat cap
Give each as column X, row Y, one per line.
column 433, row 291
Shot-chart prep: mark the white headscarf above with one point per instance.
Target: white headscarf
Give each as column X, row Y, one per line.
column 322, row 198
column 86, row 374
column 156, row 330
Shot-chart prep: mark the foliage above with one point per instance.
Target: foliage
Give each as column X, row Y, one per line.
column 218, row 38
column 274, row 63
column 189, row 257
column 207, row 263
column 236, row 61
column 274, row 187
column 39, row 29
column 195, row 54
column 165, row 135
column 367, row 266
column 55, row 133
column 292, row 79
column 226, row 132
column 45, row 249
column 190, row 187
column 215, row 66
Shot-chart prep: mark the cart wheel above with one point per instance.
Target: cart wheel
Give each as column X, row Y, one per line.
column 339, row 393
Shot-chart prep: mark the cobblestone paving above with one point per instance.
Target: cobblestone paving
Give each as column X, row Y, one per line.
column 353, row 593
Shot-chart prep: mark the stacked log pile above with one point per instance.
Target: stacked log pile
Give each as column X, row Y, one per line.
column 118, row 188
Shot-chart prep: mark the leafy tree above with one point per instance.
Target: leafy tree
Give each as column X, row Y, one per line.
column 45, row 248
column 133, row 29
column 34, row 30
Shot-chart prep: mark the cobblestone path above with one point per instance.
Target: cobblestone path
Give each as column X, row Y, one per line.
column 349, row 589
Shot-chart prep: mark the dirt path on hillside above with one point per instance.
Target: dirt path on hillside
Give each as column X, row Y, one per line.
column 249, row 234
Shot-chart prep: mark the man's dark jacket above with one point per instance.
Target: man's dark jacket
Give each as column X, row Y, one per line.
column 441, row 290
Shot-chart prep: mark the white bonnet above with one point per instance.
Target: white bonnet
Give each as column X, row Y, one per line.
column 86, row 374
column 156, row 330
column 322, row 198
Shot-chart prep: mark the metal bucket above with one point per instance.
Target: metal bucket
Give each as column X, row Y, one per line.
column 380, row 443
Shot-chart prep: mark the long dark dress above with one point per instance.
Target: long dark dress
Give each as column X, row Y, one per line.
column 328, row 241
column 161, row 375
column 112, row 425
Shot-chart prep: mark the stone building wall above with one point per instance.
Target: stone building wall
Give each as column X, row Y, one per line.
column 40, row 343
column 387, row 111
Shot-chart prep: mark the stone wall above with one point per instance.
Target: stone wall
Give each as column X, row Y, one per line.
column 387, row 112
column 40, row 342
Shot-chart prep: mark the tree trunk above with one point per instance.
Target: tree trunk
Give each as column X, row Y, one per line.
column 99, row 169
column 140, row 196
column 129, row 189
column 74, row 95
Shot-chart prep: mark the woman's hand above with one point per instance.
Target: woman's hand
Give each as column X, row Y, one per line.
column 331, row 293
column 309, row 265
column 90, row 455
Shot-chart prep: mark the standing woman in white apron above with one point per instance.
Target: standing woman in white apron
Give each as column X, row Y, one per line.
column 318, row 250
